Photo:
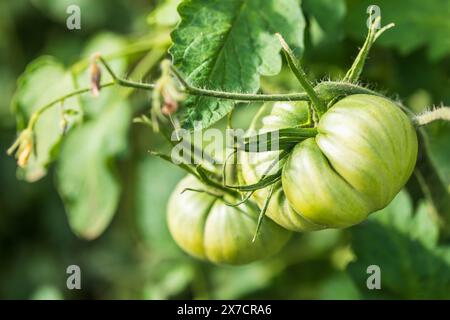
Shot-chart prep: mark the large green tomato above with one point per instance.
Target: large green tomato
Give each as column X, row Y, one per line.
column 205, row 227
column 363, row 154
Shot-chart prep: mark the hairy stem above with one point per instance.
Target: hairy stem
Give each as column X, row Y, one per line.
column 237, row 96
column 442, row 113
column 433, row 187
column 326, row 89
column 318, row 104
column 142, row 45
column 42, row 109
column 329, row 90
column 263, row 212
column 357, row 67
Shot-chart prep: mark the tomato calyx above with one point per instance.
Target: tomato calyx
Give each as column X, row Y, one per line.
column 275, row 140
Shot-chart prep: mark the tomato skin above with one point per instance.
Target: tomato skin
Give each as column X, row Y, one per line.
column 206, row 228
column 253, row 165
column 364, row 153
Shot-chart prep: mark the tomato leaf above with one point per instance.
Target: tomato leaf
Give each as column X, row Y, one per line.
column 405, row 248
column 417, row 23
column 86, row 173
column 227, row 45
column 44, row 80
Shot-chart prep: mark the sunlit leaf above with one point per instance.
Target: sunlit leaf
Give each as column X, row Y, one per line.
column 227, row 45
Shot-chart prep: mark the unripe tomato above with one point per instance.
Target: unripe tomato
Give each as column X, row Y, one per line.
column 363, row 154
column 205, row 227
column 274, row 116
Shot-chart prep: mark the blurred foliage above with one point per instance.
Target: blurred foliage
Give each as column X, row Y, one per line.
column 412, row 264
column 421, row 23
column 136, row 257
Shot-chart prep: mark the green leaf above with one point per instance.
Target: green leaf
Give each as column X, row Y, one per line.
column 417, row 23
column 86, row 173
column 227, row 45
column 43, row 81
column 405, row 248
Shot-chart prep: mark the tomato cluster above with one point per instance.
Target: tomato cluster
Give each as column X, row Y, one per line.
column 364, row 152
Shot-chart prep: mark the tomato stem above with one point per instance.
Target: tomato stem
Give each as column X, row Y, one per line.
column 319, row 106
column 357, row 67
column 442, row 113
column 263, row 212
column 329, row 90
column 237, row 96
column 200, row 173
column 326, row 89
column 433, row 187
column 42, row 109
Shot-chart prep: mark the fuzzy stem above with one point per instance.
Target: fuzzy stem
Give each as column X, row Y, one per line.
column 38, row 112
column 319, row 105
column 237, row 96
column 203, row 173
column 263, row 212
column 433, row 187
column 442, row 113
column 205, row 92
column 358, row 65
column 326, row 89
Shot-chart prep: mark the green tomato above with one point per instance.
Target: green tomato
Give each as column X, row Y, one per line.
column 206, row 228
column 364, row 153
column 275, row 116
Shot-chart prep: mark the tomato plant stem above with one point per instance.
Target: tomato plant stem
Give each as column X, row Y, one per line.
column 237, row 96
column 263, row 212
column 442, row 113
column 326, row 89
column 357, row 67
column 433, row 187
column 329, row 90
column 38, row 112
column 319, row 106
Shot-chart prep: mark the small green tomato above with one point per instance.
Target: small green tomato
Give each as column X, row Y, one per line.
column 206, row 228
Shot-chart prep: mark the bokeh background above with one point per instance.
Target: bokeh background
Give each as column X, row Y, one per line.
column 136, row 258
